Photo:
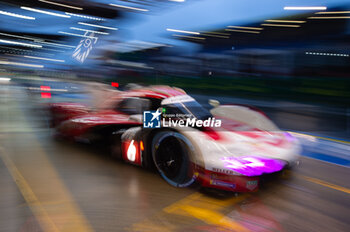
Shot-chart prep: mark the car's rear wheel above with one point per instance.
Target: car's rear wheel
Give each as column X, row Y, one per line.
column 171, row 152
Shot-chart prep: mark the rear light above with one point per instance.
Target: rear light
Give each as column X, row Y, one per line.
column 45, row 94
column 115, row 84
column 141, row 146
column 45, row 88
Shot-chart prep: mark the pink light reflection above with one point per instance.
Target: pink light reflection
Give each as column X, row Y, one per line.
column 252, row 165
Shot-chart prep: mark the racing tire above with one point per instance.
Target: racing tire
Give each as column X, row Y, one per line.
column 171, row 152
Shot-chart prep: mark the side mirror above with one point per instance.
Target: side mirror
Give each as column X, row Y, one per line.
column 214, row 103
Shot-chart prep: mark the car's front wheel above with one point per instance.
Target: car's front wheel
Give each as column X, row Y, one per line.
column 171, row 152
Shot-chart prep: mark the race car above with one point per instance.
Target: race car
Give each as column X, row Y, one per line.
column 229, row 147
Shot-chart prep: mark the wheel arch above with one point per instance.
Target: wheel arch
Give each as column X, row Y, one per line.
column 196, row 156
column 147, row 139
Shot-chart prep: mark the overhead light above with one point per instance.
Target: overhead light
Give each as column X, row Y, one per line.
column 305, row 8
column 145, row 44
column 234, row 30
column 130, row 63
column 333, row 12
column 81, row 29
column 330, row 17
column 218, row 36
column 182, row 31
column 21, row 64
column 190, row 37
column 177, row 0
column 43, row 58
column 78, row 35
column 20, row 43
column 47, row 88
column 56, row 44
column 55, row 50
column 279, row 25
column 5, row 79
column 16, row 15
column 327, row 54
column 45, row 12
column 214, row 33
column 84, row 16
column 250, row 28
column 17, row 36
column 283, row 21
column 128, row 7
column 16, row 50
column 37, row 40
column 60, row 4
column 99, row 26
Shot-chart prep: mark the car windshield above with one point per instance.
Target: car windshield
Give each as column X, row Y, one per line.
column 188, row 109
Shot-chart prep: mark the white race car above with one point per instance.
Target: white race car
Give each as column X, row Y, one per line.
column 228, row 148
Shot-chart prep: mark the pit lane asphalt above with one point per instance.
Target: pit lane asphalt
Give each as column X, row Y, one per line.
column 49, row 185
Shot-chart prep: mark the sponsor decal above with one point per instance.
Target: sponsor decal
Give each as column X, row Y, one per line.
column 253, row 184
column 223, row 184
column 151, row 119
column 224, row 171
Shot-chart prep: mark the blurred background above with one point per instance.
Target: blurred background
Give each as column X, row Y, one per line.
column 290, row 58
column 293, row 59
